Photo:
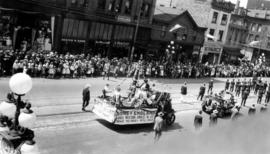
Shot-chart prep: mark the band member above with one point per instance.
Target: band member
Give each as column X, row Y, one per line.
column 86, row 96
column 184, row 89
column 210, row 86
column 244, row 97
column 227, row 84
column 267, row 96
column 232, row 85
column 260, row 95
column 201, row 93
column 238, row 88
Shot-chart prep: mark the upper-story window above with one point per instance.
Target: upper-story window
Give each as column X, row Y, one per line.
column 215, row 17
column 212, row 33
column 259, row 28
column 101, row 4
column 128, row 6
column 115, row 5
column 224, row 19
column 146, row 8
column 220, row 37
column 253, row 27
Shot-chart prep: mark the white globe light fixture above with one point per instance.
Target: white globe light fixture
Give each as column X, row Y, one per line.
column 27, row 119
column 7, row 109
column 172, row 42
column 20, row 83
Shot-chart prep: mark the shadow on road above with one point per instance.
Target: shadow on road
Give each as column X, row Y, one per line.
column 135, row 129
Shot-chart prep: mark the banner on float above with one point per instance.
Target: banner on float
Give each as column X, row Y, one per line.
column 135, row 116
column 111, row 114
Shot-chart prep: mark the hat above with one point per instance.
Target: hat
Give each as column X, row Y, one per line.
column 118, row 88
column 215, row 111
column 87, row 86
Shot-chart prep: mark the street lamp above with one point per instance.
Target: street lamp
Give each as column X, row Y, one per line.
column 19, row 125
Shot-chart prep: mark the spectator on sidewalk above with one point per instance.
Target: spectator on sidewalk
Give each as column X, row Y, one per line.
column 86, row 96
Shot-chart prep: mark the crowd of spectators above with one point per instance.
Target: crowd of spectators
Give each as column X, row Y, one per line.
column 54, row 65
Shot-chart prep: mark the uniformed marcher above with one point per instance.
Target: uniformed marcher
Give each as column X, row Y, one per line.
column 198, row 120
column 260, row 95
column 244, row 97
column 257, row 86
column 267, row 96
column 252, row 110
column 202, row 92
column 232, row 85
column 227, row 84
column 265, row 85
column 106, row 70
column 254, row 81
column 210, row 86
column 184, row 89
column 86, row 96
column 238, row 87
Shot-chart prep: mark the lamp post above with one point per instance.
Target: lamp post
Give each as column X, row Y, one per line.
column 19, row 132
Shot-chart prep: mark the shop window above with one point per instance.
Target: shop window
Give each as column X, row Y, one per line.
column 220, row 35
column 224, row 19
column 128, row 4
column 101, row 4
column 163, row 32
column 215, row 17
column 212, row 33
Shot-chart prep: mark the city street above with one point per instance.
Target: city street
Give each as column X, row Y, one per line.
column 62, row 127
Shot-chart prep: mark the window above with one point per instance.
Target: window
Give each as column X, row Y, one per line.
column 259, row 28
column 220, row 35
column 215, row 17
column 212, row 33
column 101, row 4
column 115, row 5
column 128, row 5
column 250, row 38
column 257, row 38
column 111, row 5
column 253, row 27
column 224, row 19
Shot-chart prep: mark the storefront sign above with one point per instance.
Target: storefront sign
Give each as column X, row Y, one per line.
column 73, row 40
column 212, row 49
column 121, row 18
column 135, row 116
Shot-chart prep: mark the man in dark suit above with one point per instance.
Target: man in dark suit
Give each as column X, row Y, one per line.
column 227, row 84
column 201, row 93
column 244, row 97
column 86, row 96
column 184, row 89
column 198, row 120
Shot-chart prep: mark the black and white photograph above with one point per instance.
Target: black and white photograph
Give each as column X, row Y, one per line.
column 134, row 76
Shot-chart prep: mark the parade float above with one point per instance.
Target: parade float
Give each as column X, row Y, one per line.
column 222, row 104
column 142, row 109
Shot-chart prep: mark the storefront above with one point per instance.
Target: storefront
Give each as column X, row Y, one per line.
column 211, row 52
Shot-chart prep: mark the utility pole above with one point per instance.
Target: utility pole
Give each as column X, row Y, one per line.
column 136, row 33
